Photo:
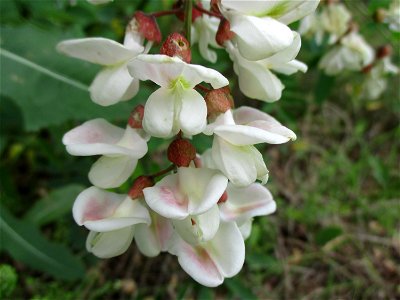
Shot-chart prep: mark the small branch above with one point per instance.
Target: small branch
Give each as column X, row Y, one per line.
column 163, row 172
column 207, row 12
column 166, row 12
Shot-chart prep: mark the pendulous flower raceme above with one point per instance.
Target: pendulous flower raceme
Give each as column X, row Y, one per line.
column 201, row 207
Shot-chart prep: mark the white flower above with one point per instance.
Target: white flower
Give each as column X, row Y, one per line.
column 233, row 151
column 393, row 16
column 176, row 105
column 335, row 20
column 311, row 26
column 120, row 148
column 204, row 29
column 153, row 239
column 210, row 262
column 261, row 26
column 111, row 219
column 376, row 82
column 113, row 83
column 189, row 198
column 353, row 53
column 256, row 79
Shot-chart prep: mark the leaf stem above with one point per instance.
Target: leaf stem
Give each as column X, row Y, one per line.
column 188, row 19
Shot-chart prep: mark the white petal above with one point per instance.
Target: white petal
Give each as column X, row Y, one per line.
column 195, row 74
column 195, row 261
column 236, row 162
column 287, row 54
column 223, row 119
column 159, row 113
column 291, row 67
column 128, row 213
column 161, row 69
column 245, row 228
column 151, row 240
column 109, row 244
column 95, row 204
column 302, row 9
column 246, row 114
column 113, row 84
column 247, row 202
column 110, row 172
column 193, row 113
column 260, row 38
column 166, row 199
column 202, row 186
column 97, row 50
column 200, row 228
column 227, row 249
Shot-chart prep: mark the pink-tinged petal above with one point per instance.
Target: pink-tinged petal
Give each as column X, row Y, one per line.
column 109, row 244
column 200, row 228
column 95, row 204
column 165, row 198
column 161, row 69
column 193, row 112
column 195, row 261
column 112, row 85
column 97, row 131
column 236, row 162
column 98, row 50
column 227, row 249
column 203, row 188
column 110, row 172
column 195, row 74
column 159, row 113
column 153, row 239
column 128, row 213
column 247, row 202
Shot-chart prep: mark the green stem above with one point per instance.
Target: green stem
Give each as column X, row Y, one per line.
column 188, row 19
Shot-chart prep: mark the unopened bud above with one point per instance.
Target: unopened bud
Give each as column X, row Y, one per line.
column 181, row 152
column 177, row 45
column 223, row 198
column 139, row 184
column 367, row 69
column 384, row 51
column 214, row 6
column 218, row 100
column 379, row 15
column 224, row 32
column 136, row 117
column 148, row 27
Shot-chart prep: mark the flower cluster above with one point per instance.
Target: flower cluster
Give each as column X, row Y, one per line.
column 348, row 49
column 201, row 208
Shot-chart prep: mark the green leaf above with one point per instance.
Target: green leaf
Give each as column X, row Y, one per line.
column 238, row 289
column 23, row 241
column 323, row 87
column 55, row 205
column 48, row 87
column 327, row 234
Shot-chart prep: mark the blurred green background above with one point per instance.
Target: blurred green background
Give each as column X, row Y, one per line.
column 335, row 233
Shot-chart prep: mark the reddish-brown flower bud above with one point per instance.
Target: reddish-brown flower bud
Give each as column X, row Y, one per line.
column 177, row 45
column 384, row 51
column 367, row 69
column 181, row 152
column 214, row 6
column 148, row 27
column 224, row 32
column 139, row 184
column 218, row 100
column 223, row 198
column 136, row 117
column 379, row 15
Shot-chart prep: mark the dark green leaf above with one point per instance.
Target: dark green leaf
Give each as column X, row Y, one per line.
column 323, row 87
column 23, row 241
column 238, row 289
column 55, row 205
column 327, row 234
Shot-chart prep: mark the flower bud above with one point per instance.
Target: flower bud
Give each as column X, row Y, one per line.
column 223, row 198
column 177, row 45
column 384, row 51
column 148, row 27
column 218, row 100
column 139, row 184
column 181, row 152
column 224, row 32
column 136, row 117
column 367, row 69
